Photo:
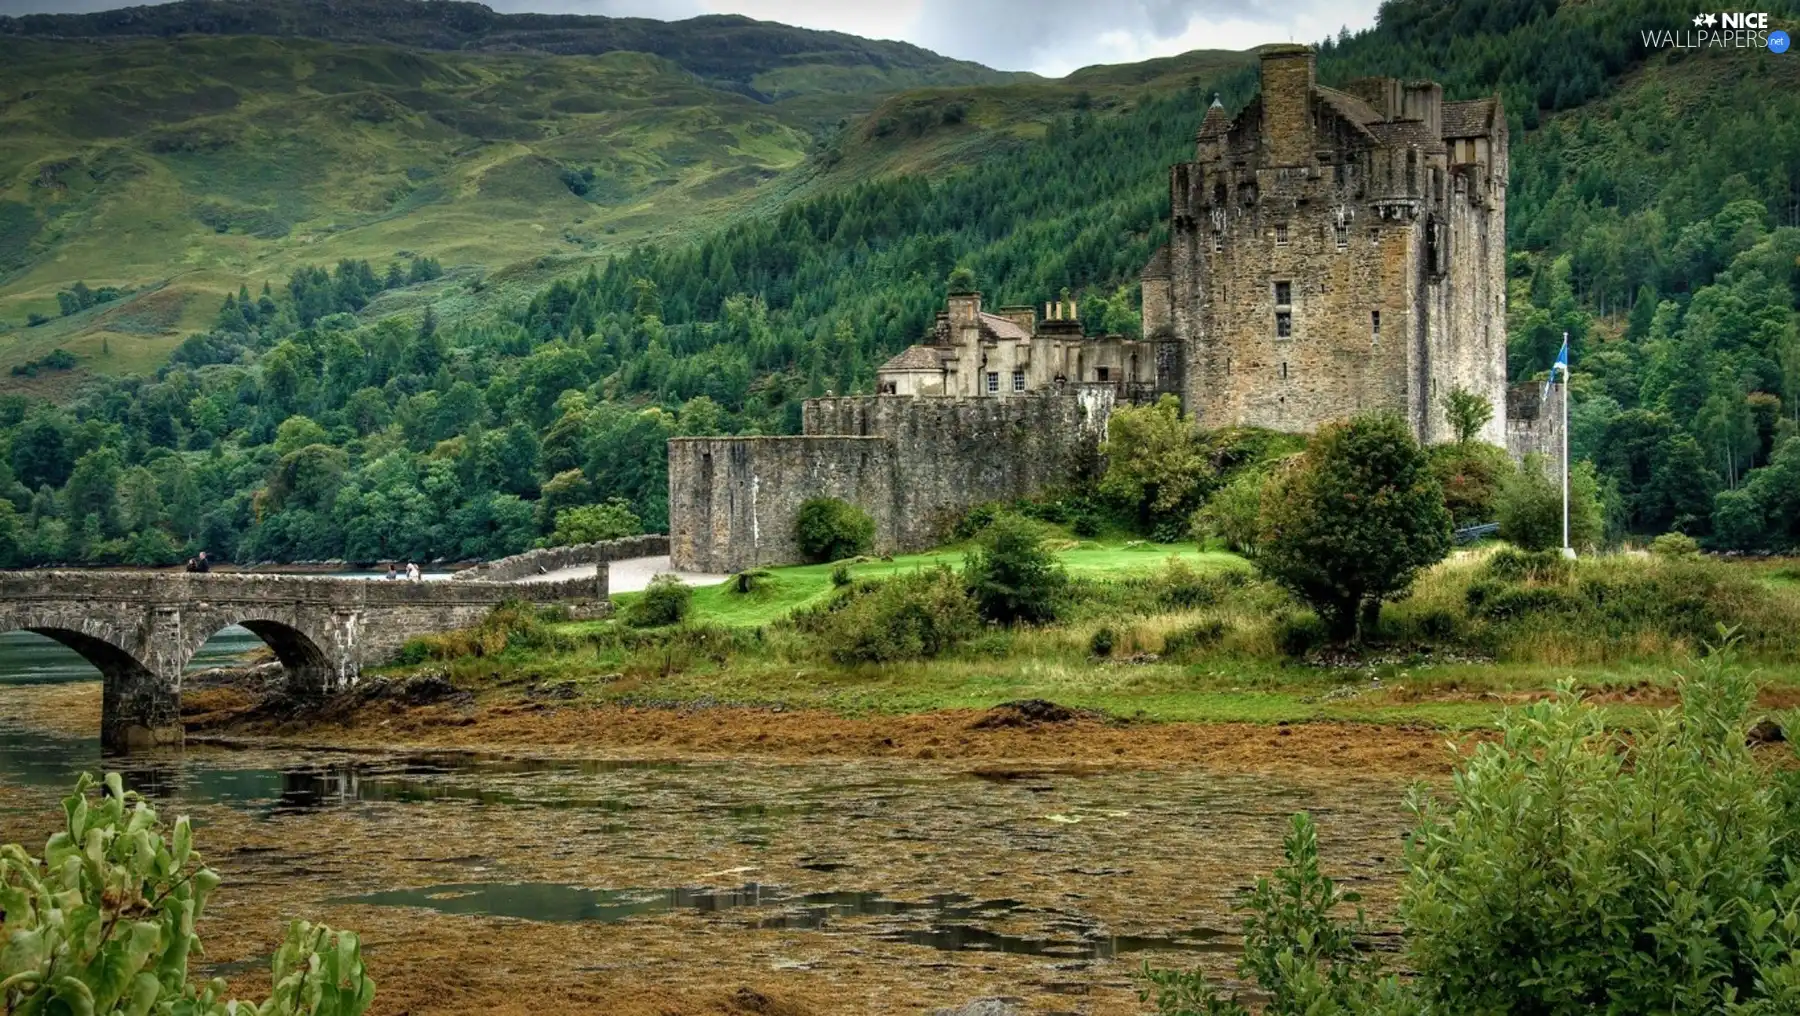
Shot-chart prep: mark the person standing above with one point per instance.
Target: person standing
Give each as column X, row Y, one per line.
column 393, row 572
column 412, row 572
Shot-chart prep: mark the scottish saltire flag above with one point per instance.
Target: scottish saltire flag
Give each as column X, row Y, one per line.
column 1562, row 361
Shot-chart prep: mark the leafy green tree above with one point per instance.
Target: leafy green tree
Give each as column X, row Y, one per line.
column 1156, row 468
column 1467, row 412
column 1471, row 474
column 828, row 529
column 1529, row 508
column 1012, row 573
column 1353, row 520
column 595, row 522
column 93, row 491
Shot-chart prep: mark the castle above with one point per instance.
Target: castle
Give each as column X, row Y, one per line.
column 1330, row 252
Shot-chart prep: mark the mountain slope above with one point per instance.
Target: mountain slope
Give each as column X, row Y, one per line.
column 764, row 60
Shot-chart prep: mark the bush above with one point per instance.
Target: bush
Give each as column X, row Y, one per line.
column 1529, row 507
column 1012, row 574
column 1156, row 468
column 664, row 602
column 1352, row 521
column 1300, row 633
column 510, row 626
column 828, row 529
column 916, row 616
column 1571, row 871
column 1510, row 564
column 1231, row 514
column 1675, row 545
column 1101, row 644
column 1471, row 475
column 840, row 575
column 752, row 581
column 1194, row 638
column 103, row 923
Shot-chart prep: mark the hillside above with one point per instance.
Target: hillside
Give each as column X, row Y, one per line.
column 350, row 411
column 763, row 60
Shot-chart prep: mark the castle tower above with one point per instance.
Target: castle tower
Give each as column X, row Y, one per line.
column 1335, row 251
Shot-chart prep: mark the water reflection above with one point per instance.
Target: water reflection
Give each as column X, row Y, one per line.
column 29, row 658
column 950, row 922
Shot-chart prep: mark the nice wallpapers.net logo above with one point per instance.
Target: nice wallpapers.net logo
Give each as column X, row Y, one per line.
column 1728, row 30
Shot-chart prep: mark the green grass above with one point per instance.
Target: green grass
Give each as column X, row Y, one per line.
column 796, row 587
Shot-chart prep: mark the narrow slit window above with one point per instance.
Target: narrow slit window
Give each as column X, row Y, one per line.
column 1284, row 370
column 1284, row 324
column 1375, row 323
column 1343, row 236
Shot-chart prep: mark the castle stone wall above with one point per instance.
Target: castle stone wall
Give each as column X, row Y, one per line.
column 1534, row 424
column 733, row 501
column 914, row 463
column 549, row 559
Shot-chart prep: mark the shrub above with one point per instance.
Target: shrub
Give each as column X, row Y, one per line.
column 1194, row 638
column 1012, row 574
column 751, row 581
column 1101, row 644
column 1231, row 514
column 1529, row 507
column 510, row 626
column 840, row 575
column 915, row 616
column 104, row 923
column 1300, row 633
column 1509, row 564
column 1570, row 871
column 1471, row 475
column 1156, row 469
column 828, row 529
column 592, row 523
column 1353, row 520
column 1675, row 545
column 664, row 602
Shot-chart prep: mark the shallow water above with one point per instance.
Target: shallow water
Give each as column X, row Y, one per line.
column 866, row 875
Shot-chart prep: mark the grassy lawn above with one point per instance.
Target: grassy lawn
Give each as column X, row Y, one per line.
column 734, row 651
column 799, row 586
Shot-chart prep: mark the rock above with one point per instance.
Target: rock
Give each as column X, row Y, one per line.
column 425, row 689
column 983, row 1007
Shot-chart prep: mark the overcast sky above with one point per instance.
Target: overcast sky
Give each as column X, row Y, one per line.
column 1051, row 37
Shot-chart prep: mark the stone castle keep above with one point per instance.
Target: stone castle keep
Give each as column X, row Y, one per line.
column 1330, row 252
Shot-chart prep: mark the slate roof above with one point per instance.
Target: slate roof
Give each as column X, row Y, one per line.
column 1407, row 132
column 1002, row 328
column 1469, row 119
column 1350, row 107
column 915, row 358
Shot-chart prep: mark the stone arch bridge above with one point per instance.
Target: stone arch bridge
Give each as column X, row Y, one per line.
column 141, row 628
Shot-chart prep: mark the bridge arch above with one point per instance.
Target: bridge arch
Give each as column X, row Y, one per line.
column 305, row 651
column 141, row 707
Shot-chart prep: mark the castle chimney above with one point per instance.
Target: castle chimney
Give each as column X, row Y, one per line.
column 1424, row 100
column 1287, row 84
column 965, row 310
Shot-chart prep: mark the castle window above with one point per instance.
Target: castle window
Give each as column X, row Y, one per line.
column 1375, row 324
column 1374, row 237
column 993, row 382
column 1102, row 374
column 1284, row 294
column 1018, row 380
column 1284, row 324
column 1281, row 234
column 1218, row 242
column 1343, row 236
column 889, row 387
column 1284, row 370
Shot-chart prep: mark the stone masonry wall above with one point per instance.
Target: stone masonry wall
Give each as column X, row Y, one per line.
column 914, row 463
column 1534, row 424
column 733, row 501
column 549, row 559
column 952, row 454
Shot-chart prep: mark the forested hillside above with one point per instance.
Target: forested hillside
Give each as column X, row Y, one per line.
column 1652, row 216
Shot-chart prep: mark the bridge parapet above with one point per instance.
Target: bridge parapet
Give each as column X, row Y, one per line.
column 141, row 628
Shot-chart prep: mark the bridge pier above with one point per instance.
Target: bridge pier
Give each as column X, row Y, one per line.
column 140, row 629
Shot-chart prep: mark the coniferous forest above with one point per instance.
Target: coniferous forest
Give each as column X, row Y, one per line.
column 1654, row 216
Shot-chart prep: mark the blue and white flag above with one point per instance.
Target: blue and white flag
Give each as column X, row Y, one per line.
column 1562, row 362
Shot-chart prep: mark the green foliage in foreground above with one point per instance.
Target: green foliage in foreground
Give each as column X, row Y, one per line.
column 1530, row 507
column 1572, row 870
column 665, row 601
column 103, row 923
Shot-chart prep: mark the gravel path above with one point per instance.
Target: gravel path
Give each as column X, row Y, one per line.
column 630, row 575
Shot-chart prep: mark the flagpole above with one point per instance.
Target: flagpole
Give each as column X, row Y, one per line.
column 1567, row 550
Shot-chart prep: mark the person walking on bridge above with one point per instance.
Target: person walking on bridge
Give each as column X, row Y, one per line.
column 412, row 572
column 199, row 563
